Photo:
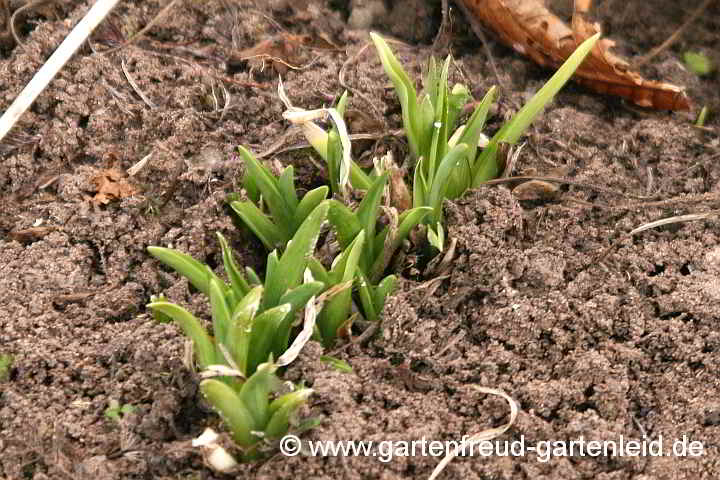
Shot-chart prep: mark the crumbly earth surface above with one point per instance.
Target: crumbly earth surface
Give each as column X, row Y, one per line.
column 596, row 334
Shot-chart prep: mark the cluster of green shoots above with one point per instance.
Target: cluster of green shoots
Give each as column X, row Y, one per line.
column 254, row 320
column 447, row 158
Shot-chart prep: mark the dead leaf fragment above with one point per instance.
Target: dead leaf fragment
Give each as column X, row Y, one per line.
column 533, row 30
column 281, row 52
column 30, row 235
column 111, row 184
column 535, row 190
column 400, row 197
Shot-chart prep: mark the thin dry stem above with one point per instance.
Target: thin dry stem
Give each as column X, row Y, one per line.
column 676, row 219
column 343, row 83
column 674, row 37
column 487, row 434
column 27, row 6
column 135, row 87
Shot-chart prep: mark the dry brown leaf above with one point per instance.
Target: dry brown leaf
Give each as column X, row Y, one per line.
column 535, row 190
column 30, row 235
column 111, row 184
column 533, row 30
column 282, row 52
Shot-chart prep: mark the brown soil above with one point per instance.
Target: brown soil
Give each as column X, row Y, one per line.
column 589, row 347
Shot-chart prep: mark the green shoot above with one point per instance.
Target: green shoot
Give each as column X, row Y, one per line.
column 335, row 312
column 6, row 362
column 337, row 363
column 378, row 247
column 436, row 236
column 702, row 116
column 251, row 323
column 249, row 411
column 448, row 163
column 159, row 317
column 512, row 131
column 286, row 211
column 115, row 411
column 698, row 63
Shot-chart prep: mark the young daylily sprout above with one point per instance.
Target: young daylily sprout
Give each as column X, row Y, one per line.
column 251, row 322
column 115, row 411
column 365, row 257
column 366, row 252
column 335, row 313
column 253, row 417
column 286, row 211
column 447, row 159
column 6, row 361
column 251, row 326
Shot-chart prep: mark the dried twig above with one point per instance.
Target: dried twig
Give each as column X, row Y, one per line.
column 673, row 38
column 482, row 436
column 147, row 27
column 27, row 6
column 135, row 87
column 276, row 147
column 355, row 92
column 676, row 219
column 658, row 223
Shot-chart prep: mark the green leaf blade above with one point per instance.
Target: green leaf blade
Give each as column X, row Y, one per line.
column 384, row 288
column 309, row 202
column 238, row 336
column 255, row 392
column 220, row 311
column 232, row 410
column 282, row 409
column 264, row 330
column 269, row 234
column 237, row 279
column 404, row 89
column 270, row 188
column 286, row 185
column 336, row 310
column 185, row 265
column 204, row 348
column 440, row 183
column 293, row 262
column 344, row 222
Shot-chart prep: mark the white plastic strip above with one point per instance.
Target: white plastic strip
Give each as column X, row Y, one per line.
column 57, row 60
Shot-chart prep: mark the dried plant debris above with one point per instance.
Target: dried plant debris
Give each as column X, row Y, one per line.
column 12, row 12
column 111, row 184
column 281, row 52
column 27, row 236
column 17, row 139
column 533, row 30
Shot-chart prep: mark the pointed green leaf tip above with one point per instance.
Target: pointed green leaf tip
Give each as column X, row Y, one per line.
column 291, row 266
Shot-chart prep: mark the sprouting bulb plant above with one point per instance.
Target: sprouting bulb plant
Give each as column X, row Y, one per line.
column 251, row 322
column 286, row 211
column 382, row 245
column 366, row 255
column 249, row 411
column 447, row 158
column 335, row 313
